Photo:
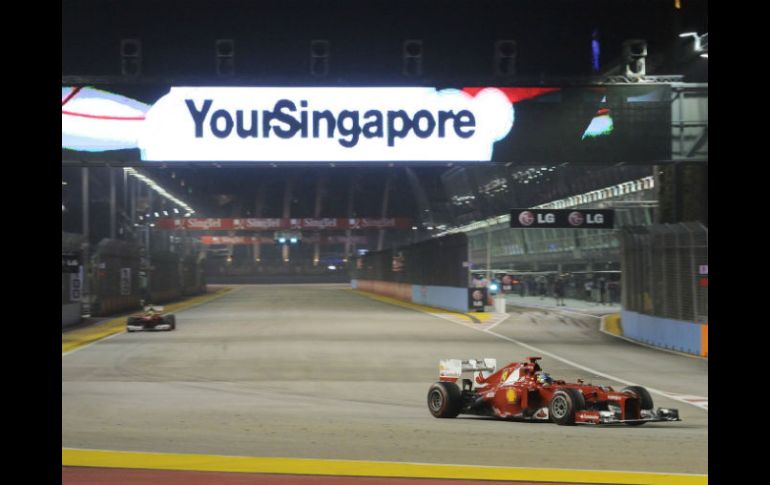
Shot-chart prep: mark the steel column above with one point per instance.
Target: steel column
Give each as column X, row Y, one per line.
column 317, row 213
column 85, row 202
column 287, row 214
column 112, row 203
column 381, row 236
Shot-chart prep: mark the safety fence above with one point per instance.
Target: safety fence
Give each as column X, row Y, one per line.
column 193, row 279
column 500, row 246
column 665, row 271
column 119, row 275
column 71, row 278
column 439, row 262
column 433, row 272
column 115, row 283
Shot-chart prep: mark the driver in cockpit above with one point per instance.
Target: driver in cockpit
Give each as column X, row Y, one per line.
column 544, row 379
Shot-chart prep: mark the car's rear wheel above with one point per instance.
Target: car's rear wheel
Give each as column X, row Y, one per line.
column 444, row 400
column 645, row 400
column 563, row 405
column 171, row 319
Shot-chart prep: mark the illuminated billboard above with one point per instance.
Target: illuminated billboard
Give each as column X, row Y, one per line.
column 366, row 124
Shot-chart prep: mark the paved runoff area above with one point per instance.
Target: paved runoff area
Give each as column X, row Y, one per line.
column 317, row 380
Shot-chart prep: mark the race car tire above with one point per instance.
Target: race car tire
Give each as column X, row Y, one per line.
column 444, row 400
column 171, row 319
column 644, row 397
column 129, row 322
column 563, row 405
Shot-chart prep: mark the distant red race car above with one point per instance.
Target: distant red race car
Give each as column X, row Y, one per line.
column 151, row 319
column 521, row 390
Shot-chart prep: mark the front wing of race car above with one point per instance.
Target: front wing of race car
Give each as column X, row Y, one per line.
column 140, row 324
column 140, row 327
column 614, row 417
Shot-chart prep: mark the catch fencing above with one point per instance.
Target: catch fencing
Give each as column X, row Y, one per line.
column 665, row 271
column 118, row 276
column 437, row 262
column 71, row 278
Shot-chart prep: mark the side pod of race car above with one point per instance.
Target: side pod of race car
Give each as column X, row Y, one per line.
column 151, row 319
column 521, row 390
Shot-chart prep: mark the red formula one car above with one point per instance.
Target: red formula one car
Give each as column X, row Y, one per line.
column 521, row 390
column 151, row 319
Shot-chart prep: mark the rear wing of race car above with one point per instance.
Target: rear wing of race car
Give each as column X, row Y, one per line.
column 451, row 369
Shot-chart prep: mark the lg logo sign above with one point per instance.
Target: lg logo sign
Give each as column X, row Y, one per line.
column 563, row 218
column 527, row 218
column 577, row 219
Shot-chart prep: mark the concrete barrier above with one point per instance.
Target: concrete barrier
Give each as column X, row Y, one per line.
column 688, row 337
column 446, row 297
column 70, row 314
column 611, row 324
column 399, row 291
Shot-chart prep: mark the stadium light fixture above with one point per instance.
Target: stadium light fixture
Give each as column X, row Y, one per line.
column 701, row 41
column 157, row 188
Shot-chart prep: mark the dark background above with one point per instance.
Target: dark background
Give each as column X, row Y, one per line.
column 272, row 38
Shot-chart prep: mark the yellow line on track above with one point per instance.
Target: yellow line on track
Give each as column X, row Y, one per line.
column 481, row 316
column 73, row 339
column 305, row 466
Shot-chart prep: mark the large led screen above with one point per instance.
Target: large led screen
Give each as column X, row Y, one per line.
column 366, row 124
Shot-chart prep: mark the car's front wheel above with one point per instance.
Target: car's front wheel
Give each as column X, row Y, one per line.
column 564, row 403
column 645, row 400
column 444, row 400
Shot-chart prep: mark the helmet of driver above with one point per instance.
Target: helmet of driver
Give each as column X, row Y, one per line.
column 544, row 379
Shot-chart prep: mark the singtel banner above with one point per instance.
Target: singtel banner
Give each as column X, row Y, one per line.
column 218, row 224
column 245, row 240
column 563, row 218
column 367, row 124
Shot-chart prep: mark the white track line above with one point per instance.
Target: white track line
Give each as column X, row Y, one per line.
column 124, row 331
column 596, row 372
column 589, row 369
column 507, row 315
